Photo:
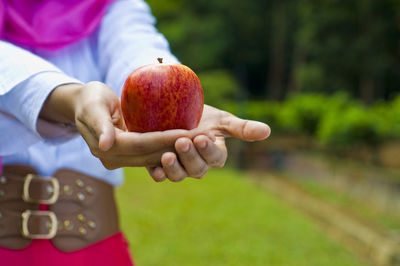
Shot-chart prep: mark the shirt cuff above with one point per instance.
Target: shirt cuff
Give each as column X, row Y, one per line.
column 26, row 100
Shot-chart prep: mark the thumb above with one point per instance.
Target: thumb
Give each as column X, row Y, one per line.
column 96, row 127
column 247, row 130
column 107, row 136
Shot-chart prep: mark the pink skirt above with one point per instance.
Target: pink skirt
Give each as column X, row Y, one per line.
column 113, row 251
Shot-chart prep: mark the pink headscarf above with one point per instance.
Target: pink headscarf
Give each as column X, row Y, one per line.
column 49, row 24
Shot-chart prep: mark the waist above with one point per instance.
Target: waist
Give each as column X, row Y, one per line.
column 71, row 209
column 73, row 154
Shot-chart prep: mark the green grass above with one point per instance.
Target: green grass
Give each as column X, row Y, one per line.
column 221, row 220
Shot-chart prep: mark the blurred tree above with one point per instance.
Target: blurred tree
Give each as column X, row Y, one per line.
column 349, row 45
column 279, row 46
column 220, row 87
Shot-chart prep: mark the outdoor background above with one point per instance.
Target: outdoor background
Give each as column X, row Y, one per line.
column 324, row 189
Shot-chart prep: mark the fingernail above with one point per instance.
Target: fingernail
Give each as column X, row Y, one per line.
column 203, row 144
column 159, row 174
column 170, row 163
column 185, row 148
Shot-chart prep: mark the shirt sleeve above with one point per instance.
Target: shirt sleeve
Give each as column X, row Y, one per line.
column 127, row 40
column 26, row 81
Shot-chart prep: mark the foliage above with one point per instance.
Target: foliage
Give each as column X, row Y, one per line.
column 348, row 45
column 264, row 111
column 393, row 117
column 221, row 220
column 220, row 87
column 348, row 126
column 302, row 113
column 335, row 120
column 387, row 116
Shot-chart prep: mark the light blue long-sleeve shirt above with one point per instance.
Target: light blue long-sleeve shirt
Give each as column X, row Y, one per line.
column 125, row 40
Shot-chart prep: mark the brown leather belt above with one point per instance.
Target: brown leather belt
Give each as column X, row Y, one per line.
column 80, row 211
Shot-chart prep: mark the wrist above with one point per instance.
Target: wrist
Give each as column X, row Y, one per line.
column 61, row 104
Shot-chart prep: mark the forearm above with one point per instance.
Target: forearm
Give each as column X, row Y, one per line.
column 20, row 110
column 26, row 81
column 18, row 65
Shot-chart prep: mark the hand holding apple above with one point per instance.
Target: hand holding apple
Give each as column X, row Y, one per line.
column 96, row 111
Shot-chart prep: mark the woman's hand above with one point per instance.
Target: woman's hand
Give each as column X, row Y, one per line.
column 196, row 156
column 96, row 111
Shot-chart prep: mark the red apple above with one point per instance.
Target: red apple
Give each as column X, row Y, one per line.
column 161, row 97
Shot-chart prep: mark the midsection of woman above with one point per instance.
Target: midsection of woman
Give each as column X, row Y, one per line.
column 47, row 148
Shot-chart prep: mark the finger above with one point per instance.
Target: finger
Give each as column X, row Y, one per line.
column 244, row 129
column 118, row 119
column 98, row 121
column 87, row 135
column 107, row 137
column 190, row 159
column 131, row 143
column 172, row 168
column 201, row 131
column 157, row 173
column 150, row 160
column 214, row 153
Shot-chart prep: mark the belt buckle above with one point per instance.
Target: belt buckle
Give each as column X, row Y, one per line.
column 53, row 224
column 27, row 198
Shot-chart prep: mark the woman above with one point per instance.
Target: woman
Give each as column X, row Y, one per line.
column 62, row 135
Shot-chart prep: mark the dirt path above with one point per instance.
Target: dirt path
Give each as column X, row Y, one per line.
column 366, row 240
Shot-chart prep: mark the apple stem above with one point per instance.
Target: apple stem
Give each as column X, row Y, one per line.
column 160, row 60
